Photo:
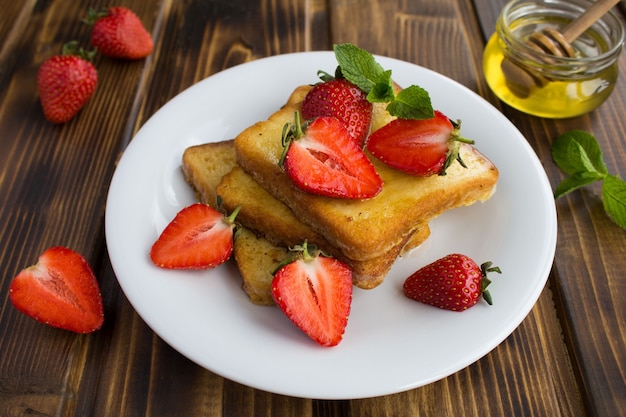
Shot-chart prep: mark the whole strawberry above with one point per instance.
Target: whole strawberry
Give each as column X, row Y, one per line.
column 66, row 83
column 118, row 33
column 454, row 282
column 343, row 100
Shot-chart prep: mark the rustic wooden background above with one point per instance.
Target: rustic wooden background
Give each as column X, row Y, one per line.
column 568, row 358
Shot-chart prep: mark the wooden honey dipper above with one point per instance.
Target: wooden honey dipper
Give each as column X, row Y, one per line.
column 520, row 80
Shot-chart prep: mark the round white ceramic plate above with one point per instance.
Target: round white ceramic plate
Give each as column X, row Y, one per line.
column 391, row 343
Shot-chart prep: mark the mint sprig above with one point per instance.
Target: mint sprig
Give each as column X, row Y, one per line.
column 360, row 67
column 578, row 154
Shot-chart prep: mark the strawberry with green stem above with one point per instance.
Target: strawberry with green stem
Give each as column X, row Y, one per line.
column 199, row 237
column 315, row 292
column 119, row 33
column 454, row 282
column 322, row 158
column 66, row 82
column 418, row 147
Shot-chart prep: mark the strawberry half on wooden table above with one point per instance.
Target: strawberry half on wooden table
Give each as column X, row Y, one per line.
column 199, row 237
column 315, row 292
column 418, row 147
column 454, row 282
column 61, row 291
column 119, row 33
column 322, row 158
column 339, row 98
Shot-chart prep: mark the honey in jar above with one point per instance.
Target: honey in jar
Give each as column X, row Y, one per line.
column 571, row 86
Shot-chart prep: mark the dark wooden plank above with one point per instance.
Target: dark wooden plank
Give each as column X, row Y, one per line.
column 54, row 182
column 588, row 281
column 139, row 373
column 500, row 383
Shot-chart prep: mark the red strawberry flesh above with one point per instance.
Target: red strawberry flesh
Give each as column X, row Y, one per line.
column 198, row 237
column 315, row 295
column 327, row 161
column 61, row 291
column 417, row 147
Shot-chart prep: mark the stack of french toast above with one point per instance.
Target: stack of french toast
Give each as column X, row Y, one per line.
column 368, row 235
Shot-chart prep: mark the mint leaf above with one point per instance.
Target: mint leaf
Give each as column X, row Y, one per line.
column 614, row 199
column 578, row 180
column 359, row 67
column 412, row 103
column 382, row 91
column 578, row 154
column 578, row 151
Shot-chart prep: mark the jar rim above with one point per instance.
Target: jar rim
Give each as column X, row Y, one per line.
column 516, row 9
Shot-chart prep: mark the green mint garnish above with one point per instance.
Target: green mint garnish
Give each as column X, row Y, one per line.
column 360, row 67
column 578, row 154
column 412, row 103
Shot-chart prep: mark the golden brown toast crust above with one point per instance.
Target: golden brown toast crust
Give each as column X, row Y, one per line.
column 204, row 166
column 363, row 229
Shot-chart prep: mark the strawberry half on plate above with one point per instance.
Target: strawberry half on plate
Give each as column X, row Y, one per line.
column 315, row 292
column 199, row 237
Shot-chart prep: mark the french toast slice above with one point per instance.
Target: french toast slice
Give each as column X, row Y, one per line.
column 269, row 226
column 362, row 229
column 267, row 216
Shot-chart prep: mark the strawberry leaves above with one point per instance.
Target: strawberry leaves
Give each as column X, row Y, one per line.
column 578, row 154
column 360, row 67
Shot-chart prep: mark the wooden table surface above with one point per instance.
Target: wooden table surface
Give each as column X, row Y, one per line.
column 567, row 358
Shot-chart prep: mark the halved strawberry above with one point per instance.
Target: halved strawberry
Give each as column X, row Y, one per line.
column 324, row 159
column 61, row 291
column 339, row 98
column 315, row 293
column 198, row 237
column 418, row 147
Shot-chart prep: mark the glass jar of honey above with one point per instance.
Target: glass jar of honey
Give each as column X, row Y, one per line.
column 565, row 86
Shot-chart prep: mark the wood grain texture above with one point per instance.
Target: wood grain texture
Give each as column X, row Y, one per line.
column 567, row 358
column 588, row 278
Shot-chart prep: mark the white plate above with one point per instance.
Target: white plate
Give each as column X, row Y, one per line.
column 391, row 343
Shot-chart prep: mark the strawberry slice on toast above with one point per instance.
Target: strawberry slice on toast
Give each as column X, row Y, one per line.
column 418, row 147
column 323, row 158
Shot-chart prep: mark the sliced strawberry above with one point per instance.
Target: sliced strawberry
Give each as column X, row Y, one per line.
column 199, row 237
column 418, row 147
column 325, row 160
column 315, row 293
column 61, row 291
column 343, row 100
